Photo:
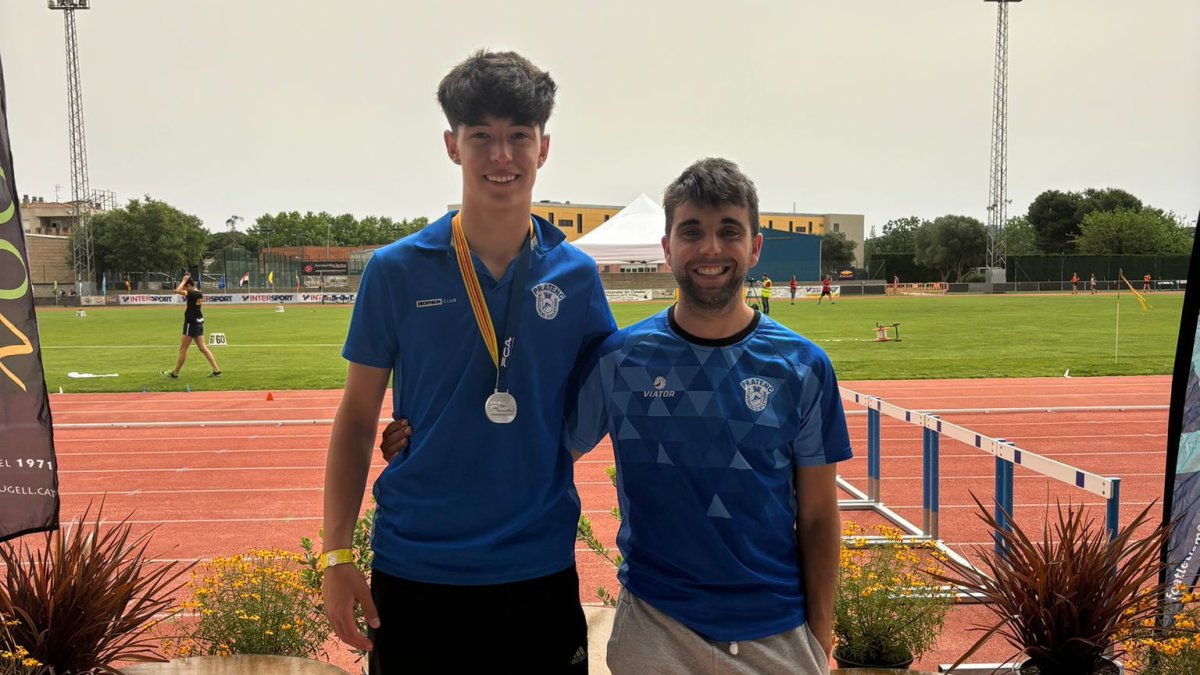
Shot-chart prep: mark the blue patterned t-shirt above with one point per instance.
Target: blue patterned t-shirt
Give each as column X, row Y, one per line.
column 707, row 436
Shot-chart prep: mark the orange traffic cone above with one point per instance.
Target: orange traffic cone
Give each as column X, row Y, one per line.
column 270, row 396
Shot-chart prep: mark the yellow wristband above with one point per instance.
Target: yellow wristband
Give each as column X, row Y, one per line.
column 339, row 556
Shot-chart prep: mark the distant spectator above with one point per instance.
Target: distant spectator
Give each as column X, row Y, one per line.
column 1146, row 282
column 766, row 295
column 1092, row 283
column 826, row 290
column 792, row 288
column 1074, row 284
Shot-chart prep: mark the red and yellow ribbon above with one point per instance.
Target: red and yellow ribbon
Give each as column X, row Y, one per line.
column 474, row 293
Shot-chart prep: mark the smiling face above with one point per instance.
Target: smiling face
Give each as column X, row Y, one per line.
column 709, row 249
column 499, row 159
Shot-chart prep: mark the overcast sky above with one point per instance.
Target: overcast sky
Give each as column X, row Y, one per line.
column 880, row 107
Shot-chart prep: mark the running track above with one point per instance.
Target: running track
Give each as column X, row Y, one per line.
column 247, row 482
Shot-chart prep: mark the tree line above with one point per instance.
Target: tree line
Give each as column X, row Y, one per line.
column 150, row 235
column 1107, row 221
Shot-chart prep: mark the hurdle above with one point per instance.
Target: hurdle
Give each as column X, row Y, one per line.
column 1007, row 457
column 881, row 332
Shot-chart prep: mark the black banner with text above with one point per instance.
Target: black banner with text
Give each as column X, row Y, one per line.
column 28, row 470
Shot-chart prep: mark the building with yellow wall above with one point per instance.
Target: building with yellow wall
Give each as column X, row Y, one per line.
column 576, row 220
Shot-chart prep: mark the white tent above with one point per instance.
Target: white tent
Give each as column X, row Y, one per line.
column 633, row 235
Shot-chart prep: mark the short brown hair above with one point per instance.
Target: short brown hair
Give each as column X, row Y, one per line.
column 714, row 182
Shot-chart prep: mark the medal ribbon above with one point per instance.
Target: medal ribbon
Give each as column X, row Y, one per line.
column 483, row 319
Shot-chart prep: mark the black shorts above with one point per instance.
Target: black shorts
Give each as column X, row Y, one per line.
column 825, row 292
column 534, row 626
column 193, row 328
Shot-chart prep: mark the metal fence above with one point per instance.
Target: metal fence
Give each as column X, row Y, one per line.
column 1025, row 268
column 239, row 268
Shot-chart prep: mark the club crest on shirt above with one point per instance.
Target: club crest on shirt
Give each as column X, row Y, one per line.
column 757, row 391
column 546, row 298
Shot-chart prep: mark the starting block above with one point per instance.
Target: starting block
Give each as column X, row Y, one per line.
column 278, row 309
column 80, row 312
column 216, row 340
column 881, row 332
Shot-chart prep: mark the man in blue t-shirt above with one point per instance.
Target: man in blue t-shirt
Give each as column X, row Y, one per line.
column 478, row 319
column 726, row 428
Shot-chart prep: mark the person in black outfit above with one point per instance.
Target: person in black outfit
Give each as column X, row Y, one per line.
column 193, row 327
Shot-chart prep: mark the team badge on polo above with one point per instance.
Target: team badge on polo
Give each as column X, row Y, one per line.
column 546, row 298
column 757, row 391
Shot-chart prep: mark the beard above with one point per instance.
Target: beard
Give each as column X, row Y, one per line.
column 711, row 299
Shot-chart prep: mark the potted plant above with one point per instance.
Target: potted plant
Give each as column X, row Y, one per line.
column 81, row 598
column 887, row 611
column 1070, row 601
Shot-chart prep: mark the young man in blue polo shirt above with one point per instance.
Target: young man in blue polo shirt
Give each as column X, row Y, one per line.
column 726, row 428
column 478, row 319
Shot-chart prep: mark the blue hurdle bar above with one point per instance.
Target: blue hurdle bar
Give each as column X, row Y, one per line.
column 873, row 454
column 1112, row 510
column 929, row 487
column 1004, row 497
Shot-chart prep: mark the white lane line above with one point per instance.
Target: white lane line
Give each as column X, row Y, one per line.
column 159, row 410
column 70, row 438
column 203, row 521
column 184, row 469
column 983, row 455
column 139, row 493
column 945, row 477
column 290, row 345
column 220, row 452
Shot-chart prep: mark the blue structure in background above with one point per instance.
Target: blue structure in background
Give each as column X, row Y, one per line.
column 788, row 253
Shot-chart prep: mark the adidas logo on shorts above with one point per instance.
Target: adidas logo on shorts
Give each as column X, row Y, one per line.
column 580, row 656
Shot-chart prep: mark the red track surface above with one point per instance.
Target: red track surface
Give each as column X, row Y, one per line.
column 219, row 490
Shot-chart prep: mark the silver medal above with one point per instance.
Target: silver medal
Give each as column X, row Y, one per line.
column 500, row 407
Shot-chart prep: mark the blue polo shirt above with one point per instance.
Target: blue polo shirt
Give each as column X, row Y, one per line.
column 707, row 436
column 472, row 502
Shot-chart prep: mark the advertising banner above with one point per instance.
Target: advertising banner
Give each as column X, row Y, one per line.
column 28, row 469
column 1181, row 493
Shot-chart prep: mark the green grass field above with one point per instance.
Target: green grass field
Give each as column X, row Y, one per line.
column 942, row 337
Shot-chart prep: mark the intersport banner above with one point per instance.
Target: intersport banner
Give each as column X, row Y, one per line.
column 28, row 470
column 239, row 298
column 1181, row 502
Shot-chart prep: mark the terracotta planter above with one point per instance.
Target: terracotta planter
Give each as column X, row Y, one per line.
column 844, row 663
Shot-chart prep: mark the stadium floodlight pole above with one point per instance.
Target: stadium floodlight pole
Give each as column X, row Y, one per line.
column 82, row 249
column 998, row 179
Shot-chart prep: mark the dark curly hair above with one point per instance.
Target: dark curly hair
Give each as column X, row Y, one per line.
column 504, row 85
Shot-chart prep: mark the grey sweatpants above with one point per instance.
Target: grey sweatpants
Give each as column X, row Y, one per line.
column 645, row 641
